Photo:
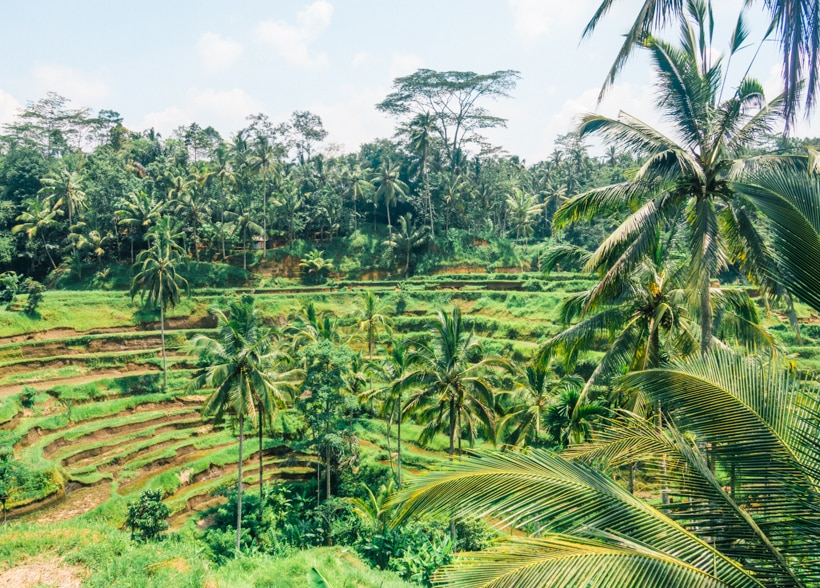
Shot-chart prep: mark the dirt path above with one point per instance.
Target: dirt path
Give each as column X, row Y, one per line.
column 51, row 573
column 76, row 502
column 173, row 323
column 78, row 380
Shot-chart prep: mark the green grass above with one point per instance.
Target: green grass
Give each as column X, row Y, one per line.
column 340, row 566
column 106, row 554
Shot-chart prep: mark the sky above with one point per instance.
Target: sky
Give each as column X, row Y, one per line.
column 163, row 64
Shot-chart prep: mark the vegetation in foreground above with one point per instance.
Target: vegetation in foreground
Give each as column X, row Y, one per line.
column 651, row 426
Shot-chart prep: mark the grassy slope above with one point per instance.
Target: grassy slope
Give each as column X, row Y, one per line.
column 111, row 560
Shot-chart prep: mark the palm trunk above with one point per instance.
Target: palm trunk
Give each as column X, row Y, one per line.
column 705, row 317
column 51, row 259
column 261, row 490
column 239, row 484
column 389, row 225
column 327, row 471
column 222, row 234
column 452, row 428
column 162, row 338
column 664, row 493
column 398, row 443
column 265, row 220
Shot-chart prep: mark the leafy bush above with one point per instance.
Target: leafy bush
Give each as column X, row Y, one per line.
column 35, row 295
column 27, row 396
column 147, row 516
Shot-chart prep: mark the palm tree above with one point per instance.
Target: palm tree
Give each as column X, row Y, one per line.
column 157, row 279
column 738, row 445
column 406, row 239
column 795, row 23
column 524, row 208
column 397, row 364
column 450, row 381
column 35, row 220
column 687, row 181
column 222, row 174
column 138, row 212
column 238, row 367
column 645, row 317
column 63, row 189
column 388, row 188
column 536, row 395
column 421, row 136
column 193, row 208
column 791, row 203
column 372, row 316
column 263, row 160
column 357, row 186
column 756, row 527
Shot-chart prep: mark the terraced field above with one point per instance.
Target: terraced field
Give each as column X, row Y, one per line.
column 86, row 407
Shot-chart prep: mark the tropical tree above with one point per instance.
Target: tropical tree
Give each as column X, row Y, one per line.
column 357, row 185
column 524, row 209
column 63, row 189
column 406, row 239
column 239, row 367
column 736, row 445
column 36, row 220
column 450, row 383
column 138, row 212
column 420, row 135
column 794, row 22
column 688, row 180
column 157, row 279
column 389, row 187
column 373, row 315
column 535, row 395
column 645, row 317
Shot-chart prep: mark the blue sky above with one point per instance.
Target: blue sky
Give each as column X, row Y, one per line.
column 163, row 64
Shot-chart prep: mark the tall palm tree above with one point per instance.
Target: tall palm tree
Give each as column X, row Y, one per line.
column 63, row 189
column 645, row 317
column 264, row 161
column 372, row 316
column 36, row 220
column 238, row 364
column 687, row 180
column 138, row 212
column 406, row 239
column 389, row 187
column 157, row 279
column 355, row 179
column 421, row 137
column 192, row 206
column 756, row 527
column 221, row 173
column 535, row 395
column 524, row 208
column 794, row 22
column 738, row 445
column 450, row 383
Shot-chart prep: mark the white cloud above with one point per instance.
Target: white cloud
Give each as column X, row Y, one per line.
column 353, row 119
column 361, row 58
column 9, row 107
column 635, row 100
column 534, row 19
column 292, row 41
column 218, row 53
column 403, row 64
column 78, row 86
column 224, row 110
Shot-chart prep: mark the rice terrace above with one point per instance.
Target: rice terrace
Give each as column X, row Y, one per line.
column 270, row 353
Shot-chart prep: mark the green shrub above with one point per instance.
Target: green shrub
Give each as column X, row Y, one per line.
column 147, row 516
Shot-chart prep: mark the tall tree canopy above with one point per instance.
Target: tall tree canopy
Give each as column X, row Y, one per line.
column 451, row 97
